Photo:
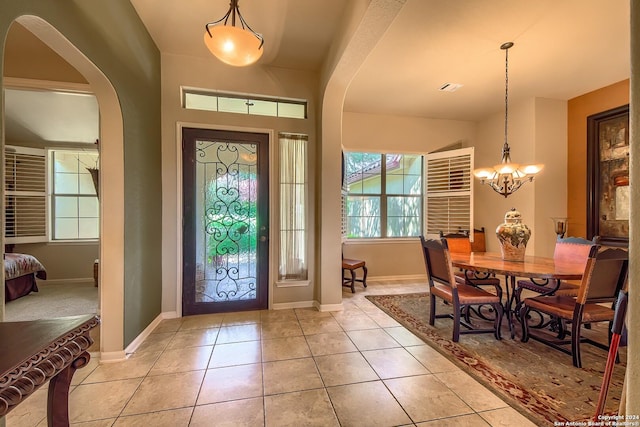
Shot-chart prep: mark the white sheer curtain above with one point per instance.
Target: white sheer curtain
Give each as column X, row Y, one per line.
column 293, row 207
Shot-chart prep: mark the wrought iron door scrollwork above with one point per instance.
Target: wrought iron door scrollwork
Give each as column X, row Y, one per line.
column 230, row 215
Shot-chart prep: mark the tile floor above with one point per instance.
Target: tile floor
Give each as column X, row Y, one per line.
column 301, row 367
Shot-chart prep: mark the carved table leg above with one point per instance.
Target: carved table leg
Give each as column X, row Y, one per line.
column 58, row 397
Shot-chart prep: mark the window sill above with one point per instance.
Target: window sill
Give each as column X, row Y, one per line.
column 381, row 241
column 91, row 242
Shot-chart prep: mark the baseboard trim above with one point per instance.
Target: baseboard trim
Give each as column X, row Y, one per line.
column 290, row 305
column 170, row 315
column 112, row 356
column 405, row 277
column 328, row 307
column 65, row 281
column 131, row 348
column 308, row 304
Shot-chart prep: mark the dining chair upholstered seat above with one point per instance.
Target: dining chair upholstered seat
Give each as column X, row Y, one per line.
column 604, row 277
column 351, row 266
column 564, row 307
column 470, row 294
column 443, row 284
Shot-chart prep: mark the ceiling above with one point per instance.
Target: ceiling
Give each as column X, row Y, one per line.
column 297, row 32
column 563, row 49
column 50, row 116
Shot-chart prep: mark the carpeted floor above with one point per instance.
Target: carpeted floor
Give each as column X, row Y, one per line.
column 54, row 300
column 537, row 380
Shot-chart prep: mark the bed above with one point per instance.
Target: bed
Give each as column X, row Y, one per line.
column 20, row 272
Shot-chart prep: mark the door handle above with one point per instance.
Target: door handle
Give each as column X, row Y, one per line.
column 263, row 238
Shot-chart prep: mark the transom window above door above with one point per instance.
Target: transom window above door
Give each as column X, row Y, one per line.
column 239, row 103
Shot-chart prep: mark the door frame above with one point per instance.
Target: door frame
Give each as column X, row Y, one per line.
column 257, row 143
column 179, row 201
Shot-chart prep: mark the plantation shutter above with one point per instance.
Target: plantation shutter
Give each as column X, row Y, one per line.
column 25, row 182
column 449, row 191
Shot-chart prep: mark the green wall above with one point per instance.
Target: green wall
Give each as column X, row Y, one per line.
column 110, row 34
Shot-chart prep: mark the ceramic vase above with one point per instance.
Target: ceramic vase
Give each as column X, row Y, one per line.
column 513, row 236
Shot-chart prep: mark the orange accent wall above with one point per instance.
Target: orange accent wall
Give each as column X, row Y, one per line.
column 578, row 109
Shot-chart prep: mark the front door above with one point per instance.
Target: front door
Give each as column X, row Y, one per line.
column 226, row 219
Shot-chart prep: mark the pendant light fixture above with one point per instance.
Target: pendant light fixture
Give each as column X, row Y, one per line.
column 234, row 45
column 507, row 177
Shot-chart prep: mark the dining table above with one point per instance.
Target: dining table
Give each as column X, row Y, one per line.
column 531, row 267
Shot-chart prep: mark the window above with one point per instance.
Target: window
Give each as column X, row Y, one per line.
column 293, row 208
column 55, row 200
column 25, row 195
column 384, row 196
column 244, row 104
column 74, row 200
column 449, row 191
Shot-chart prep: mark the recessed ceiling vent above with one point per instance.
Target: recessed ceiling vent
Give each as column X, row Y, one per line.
column 450, row 87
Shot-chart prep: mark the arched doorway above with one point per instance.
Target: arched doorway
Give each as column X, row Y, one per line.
column 112, row 195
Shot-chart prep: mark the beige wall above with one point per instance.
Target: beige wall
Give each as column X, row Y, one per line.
column 550, row 187
column 489, row 206
column 62, row 261
column 390, row 258
column 211, row 74
column 579, row 109
column 363, row 25
column 537, row 134
column 381, row 133
column 23, row 49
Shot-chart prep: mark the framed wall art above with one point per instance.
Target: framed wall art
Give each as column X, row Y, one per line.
column 608, row 176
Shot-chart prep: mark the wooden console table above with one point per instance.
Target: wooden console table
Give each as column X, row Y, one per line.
column 34, row 352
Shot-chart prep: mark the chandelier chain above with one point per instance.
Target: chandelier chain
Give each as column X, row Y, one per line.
column 506, row 93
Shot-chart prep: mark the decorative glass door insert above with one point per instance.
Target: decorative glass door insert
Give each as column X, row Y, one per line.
column 227, row 217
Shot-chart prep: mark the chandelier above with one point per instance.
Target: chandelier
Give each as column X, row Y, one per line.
column 507, row 177
column 238, row 46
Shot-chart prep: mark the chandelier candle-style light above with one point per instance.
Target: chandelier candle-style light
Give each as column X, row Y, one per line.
column 507, row 177
column 234, row 45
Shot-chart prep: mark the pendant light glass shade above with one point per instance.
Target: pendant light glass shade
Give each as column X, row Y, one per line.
column 234, row 45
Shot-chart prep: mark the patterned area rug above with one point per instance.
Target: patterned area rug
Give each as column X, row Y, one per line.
column 535, row 379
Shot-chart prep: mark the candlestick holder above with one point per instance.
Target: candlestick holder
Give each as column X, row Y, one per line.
column 560, row 226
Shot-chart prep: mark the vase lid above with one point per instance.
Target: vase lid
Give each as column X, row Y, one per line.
column 512, row 215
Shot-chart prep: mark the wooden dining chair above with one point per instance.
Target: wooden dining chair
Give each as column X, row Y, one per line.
column 604, row 276
column 459, row 243
column 479, row 243
column 443, row 284
column 567, row 249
